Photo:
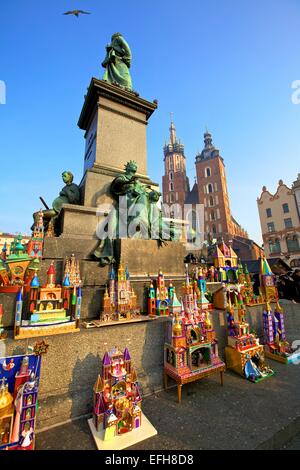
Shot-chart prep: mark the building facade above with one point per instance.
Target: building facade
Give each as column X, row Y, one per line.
column 209, row 189
column 280, row 223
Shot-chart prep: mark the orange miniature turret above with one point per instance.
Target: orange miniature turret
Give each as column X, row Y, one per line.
column 51, row 276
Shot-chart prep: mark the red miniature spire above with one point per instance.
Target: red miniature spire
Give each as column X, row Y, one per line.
column 51, row 275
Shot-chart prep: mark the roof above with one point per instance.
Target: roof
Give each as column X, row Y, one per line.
column 265, row 268
column 126, row 355
column 192, row 196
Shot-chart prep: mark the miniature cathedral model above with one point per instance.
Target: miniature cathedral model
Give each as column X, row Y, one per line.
column 117, row 398
column 120, row 300
column 244, row 354
column 19, row 383
column 50, row 309
column 276, row 345
column 160, row 299
column 191, row 344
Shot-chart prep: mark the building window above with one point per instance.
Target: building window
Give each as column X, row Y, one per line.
column 207, row 172
column 288, row 223
column 214, row 230
column 171, row 187
column 171, row 175
column 292, row 243
column 178, row 166
column 172, row 198
column 212, row 215
column 209, row 188
column 274, row 246
column 285, row 208
column 271, row 227
column 211, row 201
column 269, row 212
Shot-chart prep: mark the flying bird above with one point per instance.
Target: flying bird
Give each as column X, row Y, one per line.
column 76, row 13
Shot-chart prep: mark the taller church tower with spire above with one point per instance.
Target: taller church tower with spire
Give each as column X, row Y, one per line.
column 175, row 182
column 210, row 188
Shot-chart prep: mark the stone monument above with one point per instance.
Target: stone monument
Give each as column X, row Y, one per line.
column 114, row 119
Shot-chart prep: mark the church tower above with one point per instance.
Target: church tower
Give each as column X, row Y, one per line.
column 212, row 191
column 175, row 181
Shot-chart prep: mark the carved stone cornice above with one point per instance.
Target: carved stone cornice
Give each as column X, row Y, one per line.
column 100, row 88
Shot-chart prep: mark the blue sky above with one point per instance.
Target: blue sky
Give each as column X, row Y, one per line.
column 224, row 64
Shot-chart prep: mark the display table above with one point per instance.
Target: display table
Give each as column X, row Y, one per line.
column 192, row 376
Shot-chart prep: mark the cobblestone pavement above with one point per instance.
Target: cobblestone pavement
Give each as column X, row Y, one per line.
column 240, row 415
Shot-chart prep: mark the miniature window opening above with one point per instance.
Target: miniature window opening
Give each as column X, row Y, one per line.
column 210, row 188
column 269, row 212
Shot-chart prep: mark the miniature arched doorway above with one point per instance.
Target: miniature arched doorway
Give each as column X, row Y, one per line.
column 231, row 275
column 200, row 357
column 195, row 335
column 124, row 424
column 51, row 296
column 163, row 307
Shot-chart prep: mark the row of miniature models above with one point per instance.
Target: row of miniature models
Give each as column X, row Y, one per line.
column 163, row 300
column 244, row 354
column 117, row 397
column 51, row 308
column 120, row 300
column 19, row 384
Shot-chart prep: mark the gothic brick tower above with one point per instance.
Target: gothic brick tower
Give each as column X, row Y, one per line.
column 175, row 182
column 212, row 190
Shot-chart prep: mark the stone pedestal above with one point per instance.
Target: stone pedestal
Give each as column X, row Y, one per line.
column 114, row 121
